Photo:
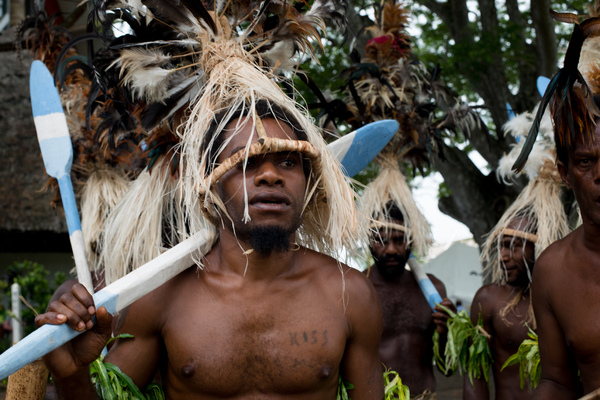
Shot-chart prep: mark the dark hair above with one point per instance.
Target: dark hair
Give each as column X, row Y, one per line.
column 390, row 211
column 563, row 149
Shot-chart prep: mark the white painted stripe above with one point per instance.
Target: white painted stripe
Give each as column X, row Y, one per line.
column 51, row 126
column 340, row 147
column 83, row 272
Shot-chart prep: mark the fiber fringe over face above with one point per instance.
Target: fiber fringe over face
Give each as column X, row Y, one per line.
column 391, row 186
column 330, row 220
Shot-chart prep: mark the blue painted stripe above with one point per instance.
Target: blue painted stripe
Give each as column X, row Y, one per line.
column 368, row 142
column 542, row 84
column 69, row 203
column 58, row 155
column 45, row 339
column 44, row 95
column 430, row 292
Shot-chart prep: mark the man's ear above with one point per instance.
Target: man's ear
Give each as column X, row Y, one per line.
column 564, row 175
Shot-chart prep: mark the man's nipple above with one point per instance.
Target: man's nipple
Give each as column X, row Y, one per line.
column 188, row 370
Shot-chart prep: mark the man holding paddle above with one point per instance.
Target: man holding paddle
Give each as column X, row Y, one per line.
column 408, row 322
column 265, row 315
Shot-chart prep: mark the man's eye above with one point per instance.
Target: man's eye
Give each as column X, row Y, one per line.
column 289, row 162
column 249, row 163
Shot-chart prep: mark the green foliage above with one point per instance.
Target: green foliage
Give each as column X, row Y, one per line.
column 112, row 384
column 36, row 289
column 528, row 358
column 467, row 348
column 393, row 386
column 343, row 387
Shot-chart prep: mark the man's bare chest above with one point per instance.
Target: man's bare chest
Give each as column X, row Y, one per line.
column 404, row 310
column 230, row 349
column 577, row 313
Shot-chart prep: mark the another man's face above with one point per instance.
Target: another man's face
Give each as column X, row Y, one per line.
column 390, row 251
column 517, row 255
column 275, row 183
column 582, row 175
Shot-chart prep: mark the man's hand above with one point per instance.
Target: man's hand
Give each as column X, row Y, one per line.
column 440, row 317
column 76, row 308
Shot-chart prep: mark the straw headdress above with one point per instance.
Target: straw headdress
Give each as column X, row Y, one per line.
column 390, row 83
column 161, row 85
column 539, row 206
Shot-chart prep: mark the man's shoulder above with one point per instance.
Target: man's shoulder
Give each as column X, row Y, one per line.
column 554, row 258
column 489, row 296
column 328, row 268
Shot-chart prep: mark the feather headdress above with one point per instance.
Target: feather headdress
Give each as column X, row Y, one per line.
column 568, row 93
column 161, row 85
column 100, row 173
column 390, row 83
column 539, row 206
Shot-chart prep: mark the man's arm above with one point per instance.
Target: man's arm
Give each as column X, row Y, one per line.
column 361, row 365
column 482, row 305
column 440, row 317
column 69, row 364
column 559, row 368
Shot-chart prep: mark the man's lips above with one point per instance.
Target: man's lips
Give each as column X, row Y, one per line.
column 270, row 201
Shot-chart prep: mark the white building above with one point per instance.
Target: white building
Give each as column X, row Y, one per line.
column 459, row 269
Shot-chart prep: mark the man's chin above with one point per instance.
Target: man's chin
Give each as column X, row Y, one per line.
column 268, row 239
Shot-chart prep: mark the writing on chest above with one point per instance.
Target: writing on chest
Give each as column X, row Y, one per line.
column 236, row 358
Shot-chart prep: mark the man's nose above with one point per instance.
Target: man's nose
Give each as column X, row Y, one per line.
column 390, row 248
column 268, row 174
column 596, row 172
column 505, row 253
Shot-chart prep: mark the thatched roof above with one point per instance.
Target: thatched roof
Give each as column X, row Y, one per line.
column 27, row 220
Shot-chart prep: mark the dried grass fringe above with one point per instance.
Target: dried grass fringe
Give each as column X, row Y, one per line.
column 512, row 304
column 541, row 205
column 148, row 220
column 391, row 185
column 99, row 195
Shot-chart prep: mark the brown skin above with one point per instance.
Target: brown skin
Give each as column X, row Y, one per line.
column 408, row 322
column 565, row 284
column 506, row 334
column 244, row 327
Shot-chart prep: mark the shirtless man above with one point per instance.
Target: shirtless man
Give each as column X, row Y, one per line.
column 566, row 285
column 504, row 309
column 273, row 323
column 408, row 322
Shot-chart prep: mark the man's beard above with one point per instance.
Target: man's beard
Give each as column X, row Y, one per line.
column 265, row 240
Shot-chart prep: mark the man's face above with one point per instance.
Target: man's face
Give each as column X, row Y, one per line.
column 582, row 175
column 275, row 183
column 517, row 255
column 390, row 252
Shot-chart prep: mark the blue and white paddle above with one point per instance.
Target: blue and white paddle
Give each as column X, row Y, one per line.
column 429, row 291
column 57, row 151
column 151, row 275
column 357, row 149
